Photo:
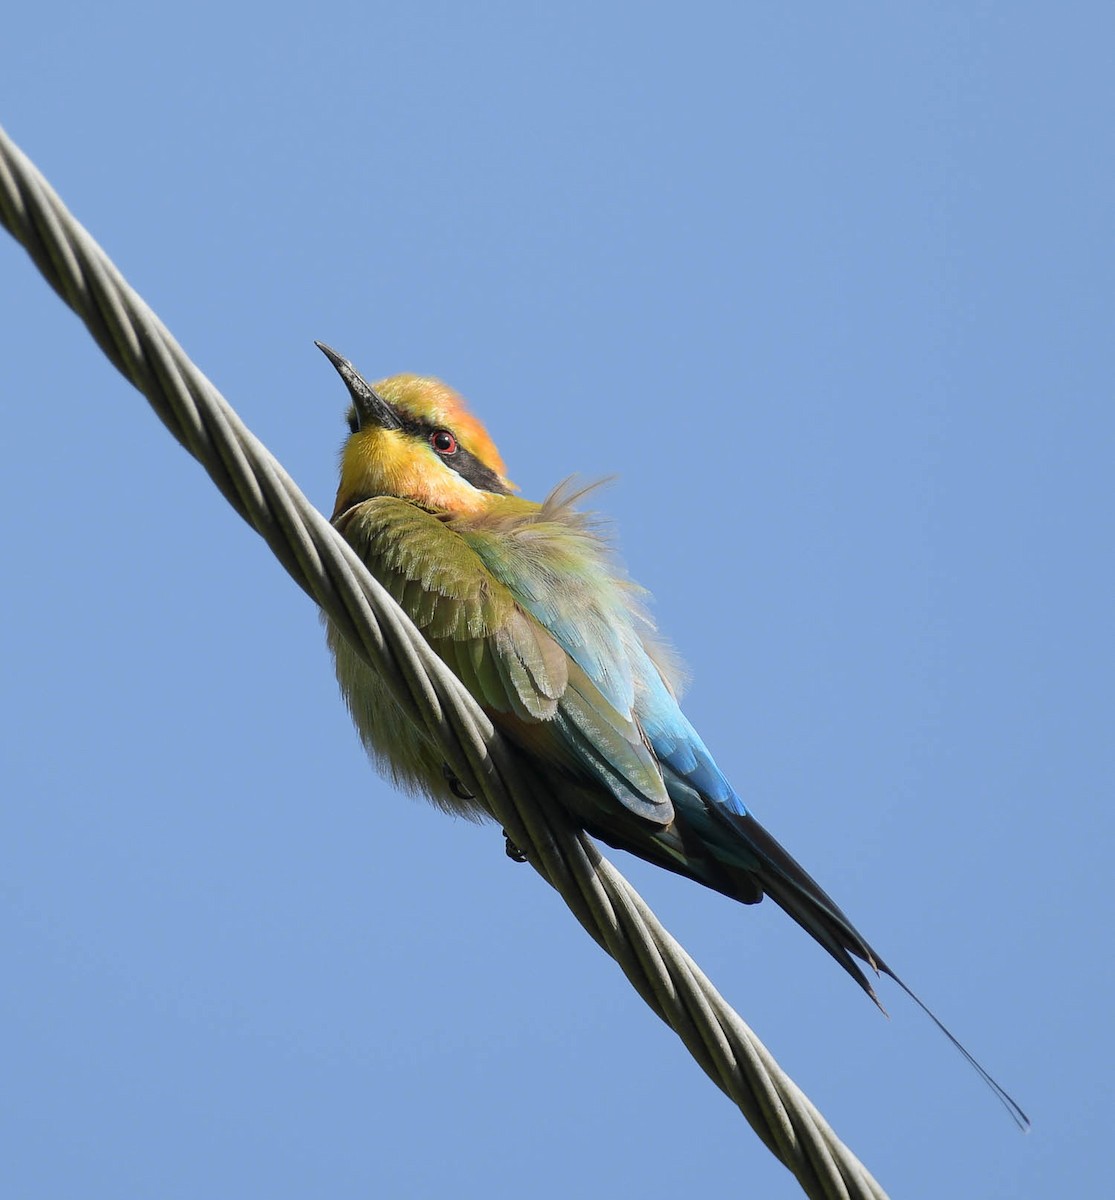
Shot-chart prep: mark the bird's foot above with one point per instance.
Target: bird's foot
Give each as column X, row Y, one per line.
column 455, row 785
column 458, row 790
column 513, row 851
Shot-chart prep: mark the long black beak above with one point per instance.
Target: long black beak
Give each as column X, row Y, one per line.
column 371, row 409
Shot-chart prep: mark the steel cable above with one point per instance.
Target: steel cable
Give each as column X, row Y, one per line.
column 324, row 566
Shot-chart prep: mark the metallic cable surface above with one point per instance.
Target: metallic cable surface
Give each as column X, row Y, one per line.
column 323, row 565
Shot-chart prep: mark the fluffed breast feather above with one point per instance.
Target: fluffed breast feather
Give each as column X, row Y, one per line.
column 483, row 591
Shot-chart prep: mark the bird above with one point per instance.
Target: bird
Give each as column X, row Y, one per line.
column 527, row 606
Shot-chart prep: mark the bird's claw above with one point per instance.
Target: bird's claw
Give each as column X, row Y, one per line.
column 455, row 785
column 513, row 851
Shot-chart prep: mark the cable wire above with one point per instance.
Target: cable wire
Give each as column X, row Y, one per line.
column 323, row 565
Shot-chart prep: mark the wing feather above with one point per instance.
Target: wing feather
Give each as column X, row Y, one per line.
column 567, row 686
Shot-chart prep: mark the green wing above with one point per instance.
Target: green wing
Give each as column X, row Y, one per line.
column 513, row 666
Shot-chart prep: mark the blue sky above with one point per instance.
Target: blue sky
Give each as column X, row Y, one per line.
column 830, row 290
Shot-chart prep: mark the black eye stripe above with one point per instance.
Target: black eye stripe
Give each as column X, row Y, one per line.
column 469, row 467
column 466, row 464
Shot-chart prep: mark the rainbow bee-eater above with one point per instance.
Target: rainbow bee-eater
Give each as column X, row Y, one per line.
column 524, row 603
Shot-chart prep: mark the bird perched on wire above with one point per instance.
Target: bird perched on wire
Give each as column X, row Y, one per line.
column 523, row 602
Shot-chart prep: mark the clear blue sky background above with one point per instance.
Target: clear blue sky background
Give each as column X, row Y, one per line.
column 830, row 289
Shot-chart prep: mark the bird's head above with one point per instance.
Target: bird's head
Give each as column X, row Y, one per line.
column 411, row 436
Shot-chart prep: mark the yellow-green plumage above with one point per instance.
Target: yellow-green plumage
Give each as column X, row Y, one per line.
column 522, row 602
column 436, row 567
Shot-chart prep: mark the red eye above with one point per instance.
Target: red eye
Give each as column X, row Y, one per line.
column 443, row 442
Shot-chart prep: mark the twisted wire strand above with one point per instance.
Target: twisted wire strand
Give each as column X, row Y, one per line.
column 325, row 567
